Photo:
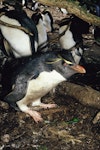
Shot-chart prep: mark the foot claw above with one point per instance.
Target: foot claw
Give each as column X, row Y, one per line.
column 46, row 106
column 35, row 115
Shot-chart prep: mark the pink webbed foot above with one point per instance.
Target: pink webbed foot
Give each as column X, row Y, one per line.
column 35, row 115
column 46, row 106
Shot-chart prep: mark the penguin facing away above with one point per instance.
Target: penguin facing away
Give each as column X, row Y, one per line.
column 37, row 77
column 19, row 43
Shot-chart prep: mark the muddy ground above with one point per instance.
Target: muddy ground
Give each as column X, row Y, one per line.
column 67, row 127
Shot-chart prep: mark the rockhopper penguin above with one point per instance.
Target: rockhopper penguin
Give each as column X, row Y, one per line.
column 70, row 35
column 17, row 42
column 33, row 80
column 42, row 33
column 48, row 20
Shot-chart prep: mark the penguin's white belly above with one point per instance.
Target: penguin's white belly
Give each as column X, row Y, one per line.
column 18, row 39
column 66, row 43
column 40, row 86
column 41, row 33
column 66, row 40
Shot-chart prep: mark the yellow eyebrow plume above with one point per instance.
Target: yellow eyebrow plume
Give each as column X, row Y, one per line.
column 58, row 59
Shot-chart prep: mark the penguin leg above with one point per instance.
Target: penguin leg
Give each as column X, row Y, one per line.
column 34, row 114
column 45, row 106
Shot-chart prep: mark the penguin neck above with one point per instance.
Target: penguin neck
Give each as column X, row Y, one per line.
column 63, row 30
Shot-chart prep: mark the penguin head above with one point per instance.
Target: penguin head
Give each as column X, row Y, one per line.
column 63, row 62
column 65, row 21
column 36, row 17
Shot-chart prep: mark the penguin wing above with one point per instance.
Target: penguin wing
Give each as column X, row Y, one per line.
column 20, row 88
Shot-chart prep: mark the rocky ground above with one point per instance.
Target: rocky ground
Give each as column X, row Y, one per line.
column 67, row 127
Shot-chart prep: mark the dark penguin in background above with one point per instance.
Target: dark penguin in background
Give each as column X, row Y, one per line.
column 33, row 80
column 70, row 35
column 48, row 20
column 17, row 42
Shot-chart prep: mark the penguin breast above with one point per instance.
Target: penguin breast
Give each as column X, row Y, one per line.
column 19, row 40
column 41, row 32
column 66, row 40
column 45, row 82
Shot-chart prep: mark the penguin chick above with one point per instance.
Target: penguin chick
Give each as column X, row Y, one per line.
column 42, row 33
column 37, row 77
column 18, row 42
column 48, row 20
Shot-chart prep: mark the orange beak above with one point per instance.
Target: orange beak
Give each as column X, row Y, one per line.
column 78, row 69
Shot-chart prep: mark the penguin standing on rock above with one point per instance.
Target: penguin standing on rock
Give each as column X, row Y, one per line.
column 42, row 33
column 37, row 77
column 19, row 43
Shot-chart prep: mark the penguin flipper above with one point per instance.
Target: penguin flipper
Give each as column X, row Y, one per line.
column 20, row 88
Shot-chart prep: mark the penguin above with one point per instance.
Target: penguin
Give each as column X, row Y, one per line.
column 66, row 38
column 64, row 11
column 35, row 5
column 25, row 3
column 70, row 35
column 33, row 80
column 18, row 43
column 42, row 33
column 48, row 20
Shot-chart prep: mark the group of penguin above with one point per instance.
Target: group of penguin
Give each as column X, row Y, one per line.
column 31, row 71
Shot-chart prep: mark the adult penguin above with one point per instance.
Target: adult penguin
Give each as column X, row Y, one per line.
column 17, row 42
column 48, row 20
column 42, row 33
column 70, row 35
column 30, row 83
